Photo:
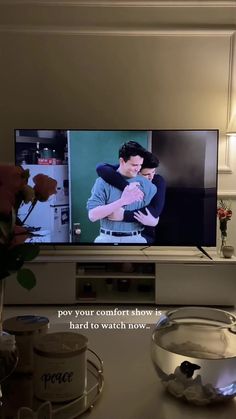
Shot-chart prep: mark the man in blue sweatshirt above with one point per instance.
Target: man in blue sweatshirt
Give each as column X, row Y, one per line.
column 106, row 199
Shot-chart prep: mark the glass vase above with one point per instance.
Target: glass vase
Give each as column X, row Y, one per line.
column 223, row 242
column 223, row 230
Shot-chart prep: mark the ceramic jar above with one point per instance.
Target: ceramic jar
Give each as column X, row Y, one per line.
column 25, row 329
column 8, row 356
column 60, row 366
column 228, row 251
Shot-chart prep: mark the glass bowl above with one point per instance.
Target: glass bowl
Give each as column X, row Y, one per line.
column 194, row 353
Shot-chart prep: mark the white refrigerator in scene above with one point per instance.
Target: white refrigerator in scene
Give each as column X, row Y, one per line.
column 49, row 219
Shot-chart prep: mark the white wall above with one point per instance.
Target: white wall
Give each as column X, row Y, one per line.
column 227, row 190
column 112, row 64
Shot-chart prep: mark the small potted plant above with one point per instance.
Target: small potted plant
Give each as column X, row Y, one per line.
column 224, row 213
column 15, row 191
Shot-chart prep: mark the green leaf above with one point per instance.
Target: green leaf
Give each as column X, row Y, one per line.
column 5, row 228
column 3, row 261
column 27, row 251
column 26, row 278
column 13, row 261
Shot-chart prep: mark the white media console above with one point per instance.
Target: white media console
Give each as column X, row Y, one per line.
column 148, row 276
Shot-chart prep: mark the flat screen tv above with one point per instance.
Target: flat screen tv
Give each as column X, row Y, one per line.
column 123, row 187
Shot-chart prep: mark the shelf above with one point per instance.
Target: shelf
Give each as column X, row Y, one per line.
column 121, row 282
column 25, row 139
column 151, row 282
column 106, row 274
column 115, row 270
column 44, row 165
column 116, row 292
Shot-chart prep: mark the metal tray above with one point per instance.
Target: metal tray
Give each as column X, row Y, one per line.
column 67, row 410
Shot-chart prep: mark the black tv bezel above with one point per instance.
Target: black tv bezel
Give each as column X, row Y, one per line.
column 86, row 245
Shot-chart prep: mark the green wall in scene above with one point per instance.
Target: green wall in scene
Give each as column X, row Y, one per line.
column 87, row 149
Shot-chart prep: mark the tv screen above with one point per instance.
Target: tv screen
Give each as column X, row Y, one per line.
column 133, row 187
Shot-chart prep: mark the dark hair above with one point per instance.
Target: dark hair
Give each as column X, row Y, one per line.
column 131, row 148
column 150, row 161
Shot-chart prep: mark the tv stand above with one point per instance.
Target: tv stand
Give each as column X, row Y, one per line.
column 205, row 252
column 150, row 276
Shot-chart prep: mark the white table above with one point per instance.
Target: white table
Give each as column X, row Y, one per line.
column 132, row 389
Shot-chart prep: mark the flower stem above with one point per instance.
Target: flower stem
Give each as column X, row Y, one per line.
column 30, row 210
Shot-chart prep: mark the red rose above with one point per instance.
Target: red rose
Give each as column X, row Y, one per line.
column 13, row 178
column 14, row 190
column 7, row 200
column 221, row 213
column 44, row 187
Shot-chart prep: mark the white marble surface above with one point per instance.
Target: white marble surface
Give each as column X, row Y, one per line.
column 132, row 389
